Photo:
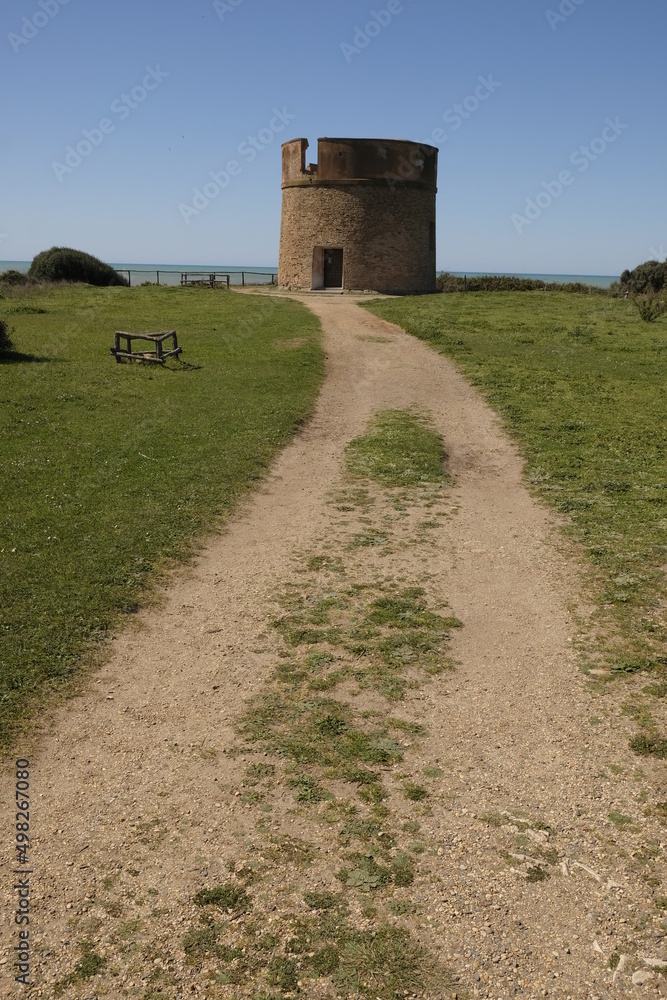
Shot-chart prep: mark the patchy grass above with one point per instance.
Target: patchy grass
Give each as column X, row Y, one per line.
column 380, row 963
column 537, row 874
column 619, row 819
column 114, row 471
column 415, row 793
column 88, row 966
column 375, row 634
column 579, row 380
column 324, row 726
column 647, row 745
column 399, row 449
column 230, row 897
column 384, row 963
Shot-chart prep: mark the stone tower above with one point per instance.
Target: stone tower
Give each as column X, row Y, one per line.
column 362, row 217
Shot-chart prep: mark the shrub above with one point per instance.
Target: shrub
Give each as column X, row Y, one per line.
column 651, row 276
column 509, row 283
column 650, row 306
column 65, row 264
column 6, row 345
column 15, row 278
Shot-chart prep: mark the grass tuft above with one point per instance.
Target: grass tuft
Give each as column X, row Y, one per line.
column 226, row 897
column 399, row 449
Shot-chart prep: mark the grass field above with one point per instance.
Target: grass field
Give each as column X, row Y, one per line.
column 580, row 381
column 111, row 472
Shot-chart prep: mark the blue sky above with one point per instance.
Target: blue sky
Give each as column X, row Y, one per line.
column 556, row 164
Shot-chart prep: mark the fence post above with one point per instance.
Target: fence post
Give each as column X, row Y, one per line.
column 129, row 279
column 243, row 279
column 158, row 277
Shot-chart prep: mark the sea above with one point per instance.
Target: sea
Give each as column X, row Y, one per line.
column 170, row 274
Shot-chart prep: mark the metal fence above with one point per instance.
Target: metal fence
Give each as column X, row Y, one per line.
column 224, row 278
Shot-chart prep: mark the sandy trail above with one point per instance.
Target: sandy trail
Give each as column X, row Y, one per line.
column 136, row 801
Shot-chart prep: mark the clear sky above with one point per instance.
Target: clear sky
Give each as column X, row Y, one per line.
column 549, row 116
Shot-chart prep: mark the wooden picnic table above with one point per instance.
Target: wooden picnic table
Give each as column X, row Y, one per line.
column 213, row 279
column 158, row 356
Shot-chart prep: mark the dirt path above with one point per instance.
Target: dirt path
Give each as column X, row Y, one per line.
column 144, row 793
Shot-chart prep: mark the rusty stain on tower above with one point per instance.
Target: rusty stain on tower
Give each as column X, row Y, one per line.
column 362, row 217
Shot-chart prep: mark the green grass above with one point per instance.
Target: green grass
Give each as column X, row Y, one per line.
column 89, row 965
column 580, row 382
column 226, row 897
column 112, row 472
column 399, row 449
column 381, row 963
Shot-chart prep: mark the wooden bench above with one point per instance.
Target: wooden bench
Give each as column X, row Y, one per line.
column 158, row 356
column 213, row 279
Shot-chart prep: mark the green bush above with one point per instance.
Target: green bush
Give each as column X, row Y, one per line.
column 651, row 276
column 508, row 283
column 15, row 278
column 65, row 264
column 6, row 344
column 650, row 306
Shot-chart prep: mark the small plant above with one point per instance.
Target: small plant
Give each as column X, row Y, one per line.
column 200, row 941
column 282, row 972
column 322, row 900
column 649, row 746
column 537, row 874
column 416, row 793
column 89, row 965
column 227, row 897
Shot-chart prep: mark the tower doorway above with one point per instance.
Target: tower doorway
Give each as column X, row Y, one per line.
column 333, row 268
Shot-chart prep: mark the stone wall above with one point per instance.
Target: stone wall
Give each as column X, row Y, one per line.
column 384, row 220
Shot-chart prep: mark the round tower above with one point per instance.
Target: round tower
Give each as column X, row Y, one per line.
column 362, row 217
